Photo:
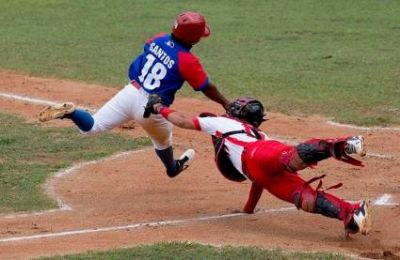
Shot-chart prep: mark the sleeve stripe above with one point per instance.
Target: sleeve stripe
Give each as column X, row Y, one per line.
column 203, row 86
column 196, row 123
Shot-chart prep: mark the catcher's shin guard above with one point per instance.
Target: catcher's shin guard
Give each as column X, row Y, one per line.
column 356, row 217
column 315, row 150
column 320, row 202
column 328, row 205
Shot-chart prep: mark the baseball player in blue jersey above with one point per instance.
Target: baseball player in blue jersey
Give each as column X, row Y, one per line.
column 162, row 68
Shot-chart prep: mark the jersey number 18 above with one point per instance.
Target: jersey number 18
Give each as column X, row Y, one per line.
column 151, row 73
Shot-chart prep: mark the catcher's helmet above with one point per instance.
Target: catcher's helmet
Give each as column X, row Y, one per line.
column 189, row 27
column 248, row 109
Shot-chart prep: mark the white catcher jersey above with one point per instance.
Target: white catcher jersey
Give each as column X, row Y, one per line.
column 234, row 144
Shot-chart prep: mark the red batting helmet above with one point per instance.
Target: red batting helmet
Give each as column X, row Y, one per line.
column 189, row 27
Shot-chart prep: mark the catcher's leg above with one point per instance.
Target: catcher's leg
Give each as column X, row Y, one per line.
column 265, row 167
column 355, row 216
column 291, row 188
column 315, row 150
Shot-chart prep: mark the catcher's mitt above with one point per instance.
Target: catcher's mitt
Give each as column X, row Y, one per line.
column 149, row 108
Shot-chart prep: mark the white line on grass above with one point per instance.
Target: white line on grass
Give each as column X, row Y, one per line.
column 384, row 200
column 51, row 103
column 37, row 101
column 49, row 186
column 28, row 99
column 376, row 128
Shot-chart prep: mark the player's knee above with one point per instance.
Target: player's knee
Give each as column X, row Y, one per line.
column 305, row 199
column 161, row 145
column 292, row 161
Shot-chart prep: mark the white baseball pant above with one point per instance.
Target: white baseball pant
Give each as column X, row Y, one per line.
column 129, row 104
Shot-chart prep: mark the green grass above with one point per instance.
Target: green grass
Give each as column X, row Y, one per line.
column 335, row 58
column 177, row 250
column 30, row 153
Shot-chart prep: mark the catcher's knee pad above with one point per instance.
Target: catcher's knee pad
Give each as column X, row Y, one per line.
column 292, row 161
column 305, row 154
column 304, row 198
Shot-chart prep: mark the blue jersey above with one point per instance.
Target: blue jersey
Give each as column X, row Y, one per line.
column 165, row 65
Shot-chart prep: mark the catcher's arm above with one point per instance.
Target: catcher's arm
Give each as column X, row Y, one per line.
column 254, row 196
column 177, row 118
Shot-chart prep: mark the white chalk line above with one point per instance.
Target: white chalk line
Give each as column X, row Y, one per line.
column 384, row 200
column 49, row 185
column 363, row 128
column 37, row 101
column 28, row 99
column 61, row 204
column 381, row 156
column 52, row 103
column 140, row 225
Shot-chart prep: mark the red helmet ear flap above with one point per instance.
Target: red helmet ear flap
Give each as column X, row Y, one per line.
column 190, row 27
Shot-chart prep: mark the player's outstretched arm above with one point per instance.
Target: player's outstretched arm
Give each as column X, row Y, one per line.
column 213, row 93
column 177, row 118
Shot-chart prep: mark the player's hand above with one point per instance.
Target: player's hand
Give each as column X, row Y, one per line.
column 154, row 99
column 228, row 106
column 249, row 210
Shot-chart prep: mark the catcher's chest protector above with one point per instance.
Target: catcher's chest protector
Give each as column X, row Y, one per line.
column 222, row 160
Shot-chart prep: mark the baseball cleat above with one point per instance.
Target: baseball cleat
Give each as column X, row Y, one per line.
column 183, row 162
column 360, row 220
column 355, row 145
column 54, row 112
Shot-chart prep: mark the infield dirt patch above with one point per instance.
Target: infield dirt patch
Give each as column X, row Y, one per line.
column 134, row 189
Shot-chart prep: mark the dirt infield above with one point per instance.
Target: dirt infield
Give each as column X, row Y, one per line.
column 127, row 199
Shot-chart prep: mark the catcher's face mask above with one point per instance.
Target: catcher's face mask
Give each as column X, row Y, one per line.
column 248, row 109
